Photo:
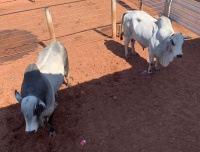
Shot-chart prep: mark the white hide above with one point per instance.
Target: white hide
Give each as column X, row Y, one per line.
column 158, row 35
column 51, row 62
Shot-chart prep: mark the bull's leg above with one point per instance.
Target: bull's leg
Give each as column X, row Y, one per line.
column 52, row 130
column 41, row 121
column 66, row 76
column 126, row 43
column 66, row 82
column 151, row 57
column 157, row 68
column 55, row 105
column 133, row 48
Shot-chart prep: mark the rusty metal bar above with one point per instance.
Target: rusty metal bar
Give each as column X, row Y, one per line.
column 140, row 8
column 167, row 7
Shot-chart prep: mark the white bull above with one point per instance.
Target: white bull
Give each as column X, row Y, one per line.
column 158, row 35
column 41, row 81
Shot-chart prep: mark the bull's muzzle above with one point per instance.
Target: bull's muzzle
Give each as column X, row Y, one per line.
column 179, row 56
column 30, row 132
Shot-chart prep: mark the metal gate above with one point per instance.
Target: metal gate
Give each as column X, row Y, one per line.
column 187, row 14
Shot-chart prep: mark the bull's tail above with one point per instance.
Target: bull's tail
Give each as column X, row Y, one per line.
column 50, row 24
column 121, row 28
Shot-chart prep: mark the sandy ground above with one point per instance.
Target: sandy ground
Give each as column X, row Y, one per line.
column 110, row 104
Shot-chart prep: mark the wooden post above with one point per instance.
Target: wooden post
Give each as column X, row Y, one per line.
column 50, row 24
column 140, row 8
column 113, row 17
column 167, row 7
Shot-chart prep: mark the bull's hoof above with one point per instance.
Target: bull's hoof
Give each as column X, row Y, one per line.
column 150, row 72
column 135, row 54
column 126, row 56
column 52, row 134
column 69, row 85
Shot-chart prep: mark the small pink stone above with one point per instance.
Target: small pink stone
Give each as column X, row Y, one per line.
column 83, row 142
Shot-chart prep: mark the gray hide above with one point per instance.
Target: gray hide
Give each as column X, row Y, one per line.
column 37, row 98
column 41, row 81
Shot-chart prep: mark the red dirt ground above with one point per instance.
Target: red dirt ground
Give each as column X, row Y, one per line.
column 110, row 104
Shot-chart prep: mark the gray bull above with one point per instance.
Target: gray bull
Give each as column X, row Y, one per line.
column 41, row 81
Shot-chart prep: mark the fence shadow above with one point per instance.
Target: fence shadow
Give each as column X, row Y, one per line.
column 105, row 31
column 123, row 4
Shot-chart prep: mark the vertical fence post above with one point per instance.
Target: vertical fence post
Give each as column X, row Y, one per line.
column 113, row 17
column 167, row 7
column 50, row 24
column 140, row 8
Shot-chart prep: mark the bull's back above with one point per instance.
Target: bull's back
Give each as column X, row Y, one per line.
column 52, row 58
column 143, row 26
column 51, row 63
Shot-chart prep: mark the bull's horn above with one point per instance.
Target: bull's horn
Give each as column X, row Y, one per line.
column 42, row 103
column 18, row 96
column 186, row 37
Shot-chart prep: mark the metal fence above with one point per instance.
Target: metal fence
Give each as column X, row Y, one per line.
column 24, row 26
column 184, row 12
column 187, row 14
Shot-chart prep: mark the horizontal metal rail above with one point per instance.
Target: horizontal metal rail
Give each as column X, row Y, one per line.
column 20, row 11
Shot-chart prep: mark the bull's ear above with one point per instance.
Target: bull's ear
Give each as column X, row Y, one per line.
column 18, row 96
column 168, row 40
column 171, row 39
column 172, row 42
column 39, row 108
column 186, row 37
